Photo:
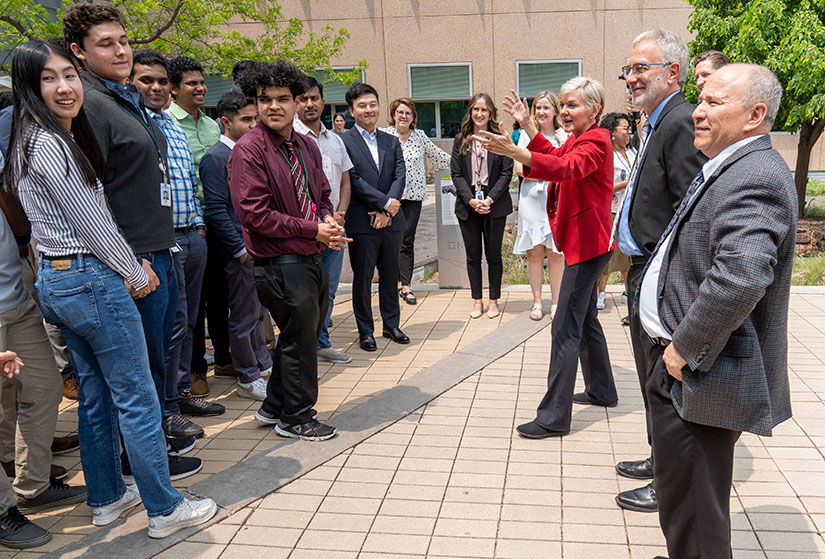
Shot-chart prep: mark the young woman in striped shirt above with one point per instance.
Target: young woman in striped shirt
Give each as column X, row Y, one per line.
column 88, row 278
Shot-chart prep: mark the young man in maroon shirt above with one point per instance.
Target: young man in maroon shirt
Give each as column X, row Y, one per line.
column 281, row 197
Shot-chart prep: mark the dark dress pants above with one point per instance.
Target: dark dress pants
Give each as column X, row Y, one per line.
column 297, row 295
column 693, row 465
column 644, row 352
column 214, row 308
column 479, row 231
column 368, row 250
column 577, row 334
column 406, row 261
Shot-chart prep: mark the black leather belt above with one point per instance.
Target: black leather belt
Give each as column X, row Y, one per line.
column 638, row 260
column 183, row 229
column 288, row 259
column 660, row 342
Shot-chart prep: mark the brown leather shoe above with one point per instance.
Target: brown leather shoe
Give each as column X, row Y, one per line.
column 57, row 472
column 70, row 387
column 62, row 445
column 200, row 387
column 225, row 371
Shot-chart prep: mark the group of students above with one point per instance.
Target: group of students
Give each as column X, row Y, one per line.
column 145, row 216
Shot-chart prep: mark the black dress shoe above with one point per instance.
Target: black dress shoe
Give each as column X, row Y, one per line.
column 396, row 335
column 581, row 398
column 636, row 469
column 533, row 430
column 367, row 342
column 642, row 499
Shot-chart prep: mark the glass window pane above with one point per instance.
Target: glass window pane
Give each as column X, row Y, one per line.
column 426, row 118
column 452, row 112
column 534, row 77
column 216, row 86
column 333, row 91
column 436, row 82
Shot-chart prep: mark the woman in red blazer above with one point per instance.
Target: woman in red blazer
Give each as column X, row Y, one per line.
column 578, row 205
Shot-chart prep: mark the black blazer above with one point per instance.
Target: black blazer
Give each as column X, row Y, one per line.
column 499, row 172
column 372, row 187
column 669, row 165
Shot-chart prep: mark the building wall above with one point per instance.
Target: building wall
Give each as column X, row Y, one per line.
column 492, row 35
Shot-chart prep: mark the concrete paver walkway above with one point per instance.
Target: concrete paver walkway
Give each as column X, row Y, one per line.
column 452, row 480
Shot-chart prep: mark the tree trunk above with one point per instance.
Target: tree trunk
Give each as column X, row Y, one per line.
column 808, row 135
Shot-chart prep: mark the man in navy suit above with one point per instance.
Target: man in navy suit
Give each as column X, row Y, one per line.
column 373, row 221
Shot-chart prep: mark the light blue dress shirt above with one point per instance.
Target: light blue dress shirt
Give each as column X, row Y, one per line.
column 626, row 243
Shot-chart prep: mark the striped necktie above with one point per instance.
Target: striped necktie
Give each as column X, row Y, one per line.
column 308, row 208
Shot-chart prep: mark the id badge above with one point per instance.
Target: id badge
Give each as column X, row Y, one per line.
column 480, row 195
column 166, row 194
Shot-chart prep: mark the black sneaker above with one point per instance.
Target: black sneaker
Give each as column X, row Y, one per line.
column 312, row 431
column 57, row 472
column 178, row 446
column 179, row 467
column 179, row 426
column 272, row 419
column 18, row 532
column 57, row 494
column 191, row 405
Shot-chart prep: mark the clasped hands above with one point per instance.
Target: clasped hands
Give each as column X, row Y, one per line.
column 153, row 284
column 481, row 206
column 331, row 234
column 381, row 218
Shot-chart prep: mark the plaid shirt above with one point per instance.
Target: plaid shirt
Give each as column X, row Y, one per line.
column 186, row 210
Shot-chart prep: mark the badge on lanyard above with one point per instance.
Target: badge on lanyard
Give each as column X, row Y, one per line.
column 165, row 194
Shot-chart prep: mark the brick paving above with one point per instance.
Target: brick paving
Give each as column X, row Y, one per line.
column 452, row 480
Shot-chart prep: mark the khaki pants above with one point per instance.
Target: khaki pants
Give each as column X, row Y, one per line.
column 38, row 391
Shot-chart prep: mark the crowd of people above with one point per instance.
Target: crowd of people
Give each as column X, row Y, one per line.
column 132, row 221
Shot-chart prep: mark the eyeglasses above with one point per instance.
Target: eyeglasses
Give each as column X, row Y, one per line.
column 403, row 113
column 639, row 69
column 622, row 128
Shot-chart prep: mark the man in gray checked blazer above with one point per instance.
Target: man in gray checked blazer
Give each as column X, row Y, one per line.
column 714, row 301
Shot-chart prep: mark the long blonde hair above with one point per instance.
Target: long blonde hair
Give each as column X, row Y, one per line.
column 466, row 129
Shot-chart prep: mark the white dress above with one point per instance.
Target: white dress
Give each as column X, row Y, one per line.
column 533, row 223
column 621, row 171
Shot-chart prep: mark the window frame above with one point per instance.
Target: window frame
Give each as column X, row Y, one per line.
column 344, row 68
column 578, row 61
column 437, row 101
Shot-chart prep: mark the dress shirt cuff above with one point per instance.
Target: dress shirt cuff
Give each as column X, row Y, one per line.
column 239, row 253
column 387, row 205
column 138, row 278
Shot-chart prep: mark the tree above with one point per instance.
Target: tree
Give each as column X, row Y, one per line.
column 204, row 30
column 786, row 36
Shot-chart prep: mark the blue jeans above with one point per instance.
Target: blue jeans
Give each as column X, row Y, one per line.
column 104, row 333
column 333, row 261
column 157, row 312
column 189, row 262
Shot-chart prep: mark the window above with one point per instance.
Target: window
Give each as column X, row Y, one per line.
column 441, row 93
column 334, row 95
column 535, row 76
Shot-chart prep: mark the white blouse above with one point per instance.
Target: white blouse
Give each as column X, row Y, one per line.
column 415, row 149
column 621, row 171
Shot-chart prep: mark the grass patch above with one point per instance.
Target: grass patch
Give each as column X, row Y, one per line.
column 814, row 211
column 809, row 270
column 815, row 188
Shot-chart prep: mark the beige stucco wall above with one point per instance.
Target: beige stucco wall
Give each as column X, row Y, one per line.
column 493, row 34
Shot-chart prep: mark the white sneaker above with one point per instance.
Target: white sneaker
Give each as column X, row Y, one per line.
column 188, row 513
column 103, row 516
column 266, row 373
column 255, row 390
column 601, row 300
column 624, row 298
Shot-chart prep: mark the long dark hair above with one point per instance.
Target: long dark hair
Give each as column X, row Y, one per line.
column 30, row 114
column 466, row 129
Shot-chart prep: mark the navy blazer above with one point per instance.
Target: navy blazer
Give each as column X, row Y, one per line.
column 666, row 169
column 372, row 187
column 219, row 213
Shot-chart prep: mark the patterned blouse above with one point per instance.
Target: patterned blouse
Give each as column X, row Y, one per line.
column 417, row 146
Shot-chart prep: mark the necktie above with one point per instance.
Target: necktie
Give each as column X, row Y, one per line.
column 308, row 208
column 646, row 131
column 691, row 191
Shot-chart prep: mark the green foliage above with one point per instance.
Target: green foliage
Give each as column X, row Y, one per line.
column 816, row 187
column 218, row 33
column 809, row 271
column 786, row 36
